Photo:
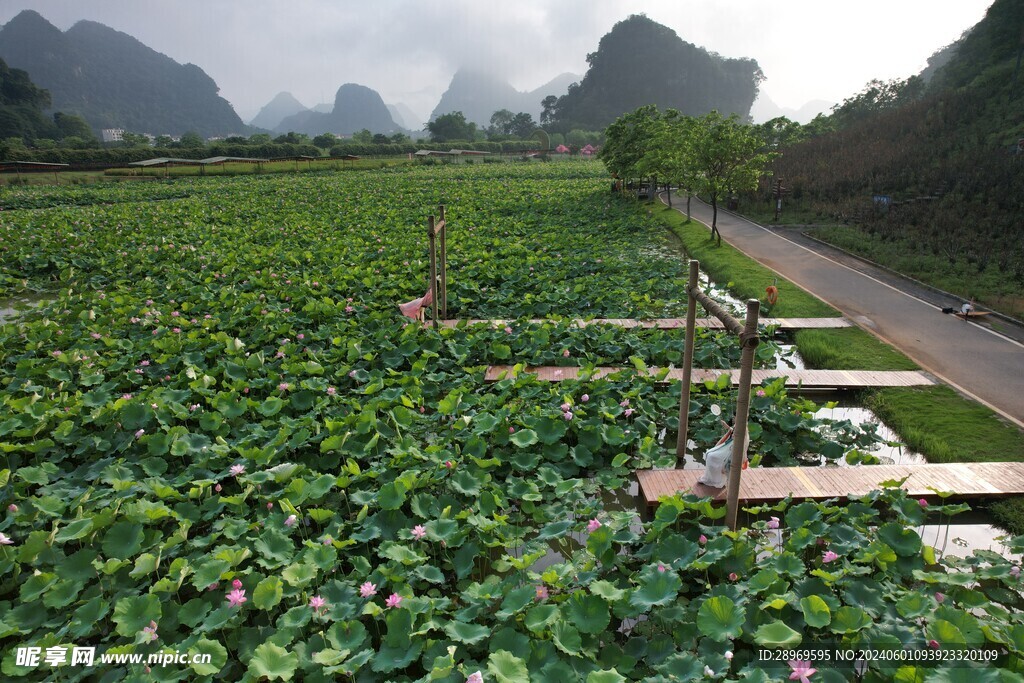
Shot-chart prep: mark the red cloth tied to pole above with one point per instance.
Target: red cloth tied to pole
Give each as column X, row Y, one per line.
column 414, row 308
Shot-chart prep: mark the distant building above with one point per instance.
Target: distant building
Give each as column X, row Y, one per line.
column 112, row 134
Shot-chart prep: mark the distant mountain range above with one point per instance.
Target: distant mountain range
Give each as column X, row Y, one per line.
column 478, row 95
column 356, row 107
column 114, row 81
column 277, row 110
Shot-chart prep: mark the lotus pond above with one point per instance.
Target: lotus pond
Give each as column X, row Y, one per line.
column 220, row 437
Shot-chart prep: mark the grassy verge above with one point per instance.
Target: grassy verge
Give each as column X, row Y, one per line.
column 935, row 421
column 746, row 278
column 849, row 348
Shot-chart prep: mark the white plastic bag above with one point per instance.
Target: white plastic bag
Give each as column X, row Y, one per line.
column 717, row 462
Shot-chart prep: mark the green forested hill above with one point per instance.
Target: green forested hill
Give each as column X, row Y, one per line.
column 22, row 105
column 946, row 154
column 114, row 81
column 641, row 62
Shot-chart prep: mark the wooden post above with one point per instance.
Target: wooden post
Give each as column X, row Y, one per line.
column 749, row 341
column 444, row 262
column 684, row 392
column 433, row 269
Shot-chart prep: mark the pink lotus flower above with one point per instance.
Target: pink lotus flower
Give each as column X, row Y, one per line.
column 394, row 600
column 236, row 584
column 151, row 630
column 449, row 464
column 567, row 416
column 419, row 532
column 627, row 412
column 940, row 598
column 829, row 556
column 703, row 539
column 270, row 506
column 236, row 597
column 1014, row 570
column 933, row 644
column 5, row 539
column 542, row 592
column 585, row 398
column 331, row 391
column 218, row 488
column 367, row 589
column 566, row 407
column 511, row 430
column 317, row 602
column 328, row 540
column 290, row 522
column 508, row 330
column 733, row 576
column 624, row 403
column 773, row 523
column 801, row 671
column 565, row 353
column 283, row 386
column 922, row 502
column 14, row 508
column 593, row 525
column 237, row 470
column 475, row 677
column 138, row 434
column 661, row 568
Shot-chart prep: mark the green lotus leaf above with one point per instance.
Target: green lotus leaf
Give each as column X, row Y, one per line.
column 524, row 438
column 849, row 619
column 268, row 593
column 132, row 614
column 656, row 588
column 470, row 634
column 566, row 637
column 588, row 613
column 273, row 662
column 719, row 618
column 507, row 668
column 540, row 617
column 816, row 612
column 217, row 654
column 123, row 540
column 777, row 634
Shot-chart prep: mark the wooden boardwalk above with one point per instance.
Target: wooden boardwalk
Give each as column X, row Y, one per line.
column 671, row 323
column 806, row 379
column 771, row 484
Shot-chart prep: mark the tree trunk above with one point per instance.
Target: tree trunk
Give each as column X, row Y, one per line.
column 668, row 190
column 688, row 198
column 714, row 219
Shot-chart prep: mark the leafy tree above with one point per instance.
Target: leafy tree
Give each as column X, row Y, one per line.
column 549, row 112
column 380, row 139
column 522, row 125
column 501, row 125
column 164, row 141
column 192, row 139
column 292, row 138
column 134, row 140
column 325, row 140
column 875, row 97
column 230, row 140
column 729, row 156
column 364, row 136
column 627, row 141
column 400, row 139
column 260, row 139
column 69, row 124
column 452, row 126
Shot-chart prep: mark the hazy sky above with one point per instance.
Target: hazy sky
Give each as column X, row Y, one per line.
column 408, row 49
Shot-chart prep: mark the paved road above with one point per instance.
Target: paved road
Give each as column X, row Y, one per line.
column 970, row 357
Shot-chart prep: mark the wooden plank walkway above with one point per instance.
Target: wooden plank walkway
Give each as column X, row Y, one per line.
column 806, row 379
column 671, row 323
column 771, row 484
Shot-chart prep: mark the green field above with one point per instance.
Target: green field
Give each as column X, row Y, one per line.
column 221, row 389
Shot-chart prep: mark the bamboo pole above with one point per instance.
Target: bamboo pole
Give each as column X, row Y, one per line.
column 749, row 341
column 444, row 262
column 684, row 393
column 433, row 269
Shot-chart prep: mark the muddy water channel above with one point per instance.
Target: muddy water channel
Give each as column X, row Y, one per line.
column 10, row 308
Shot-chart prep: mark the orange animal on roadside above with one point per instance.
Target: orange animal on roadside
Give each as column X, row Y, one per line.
column 772, row 294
